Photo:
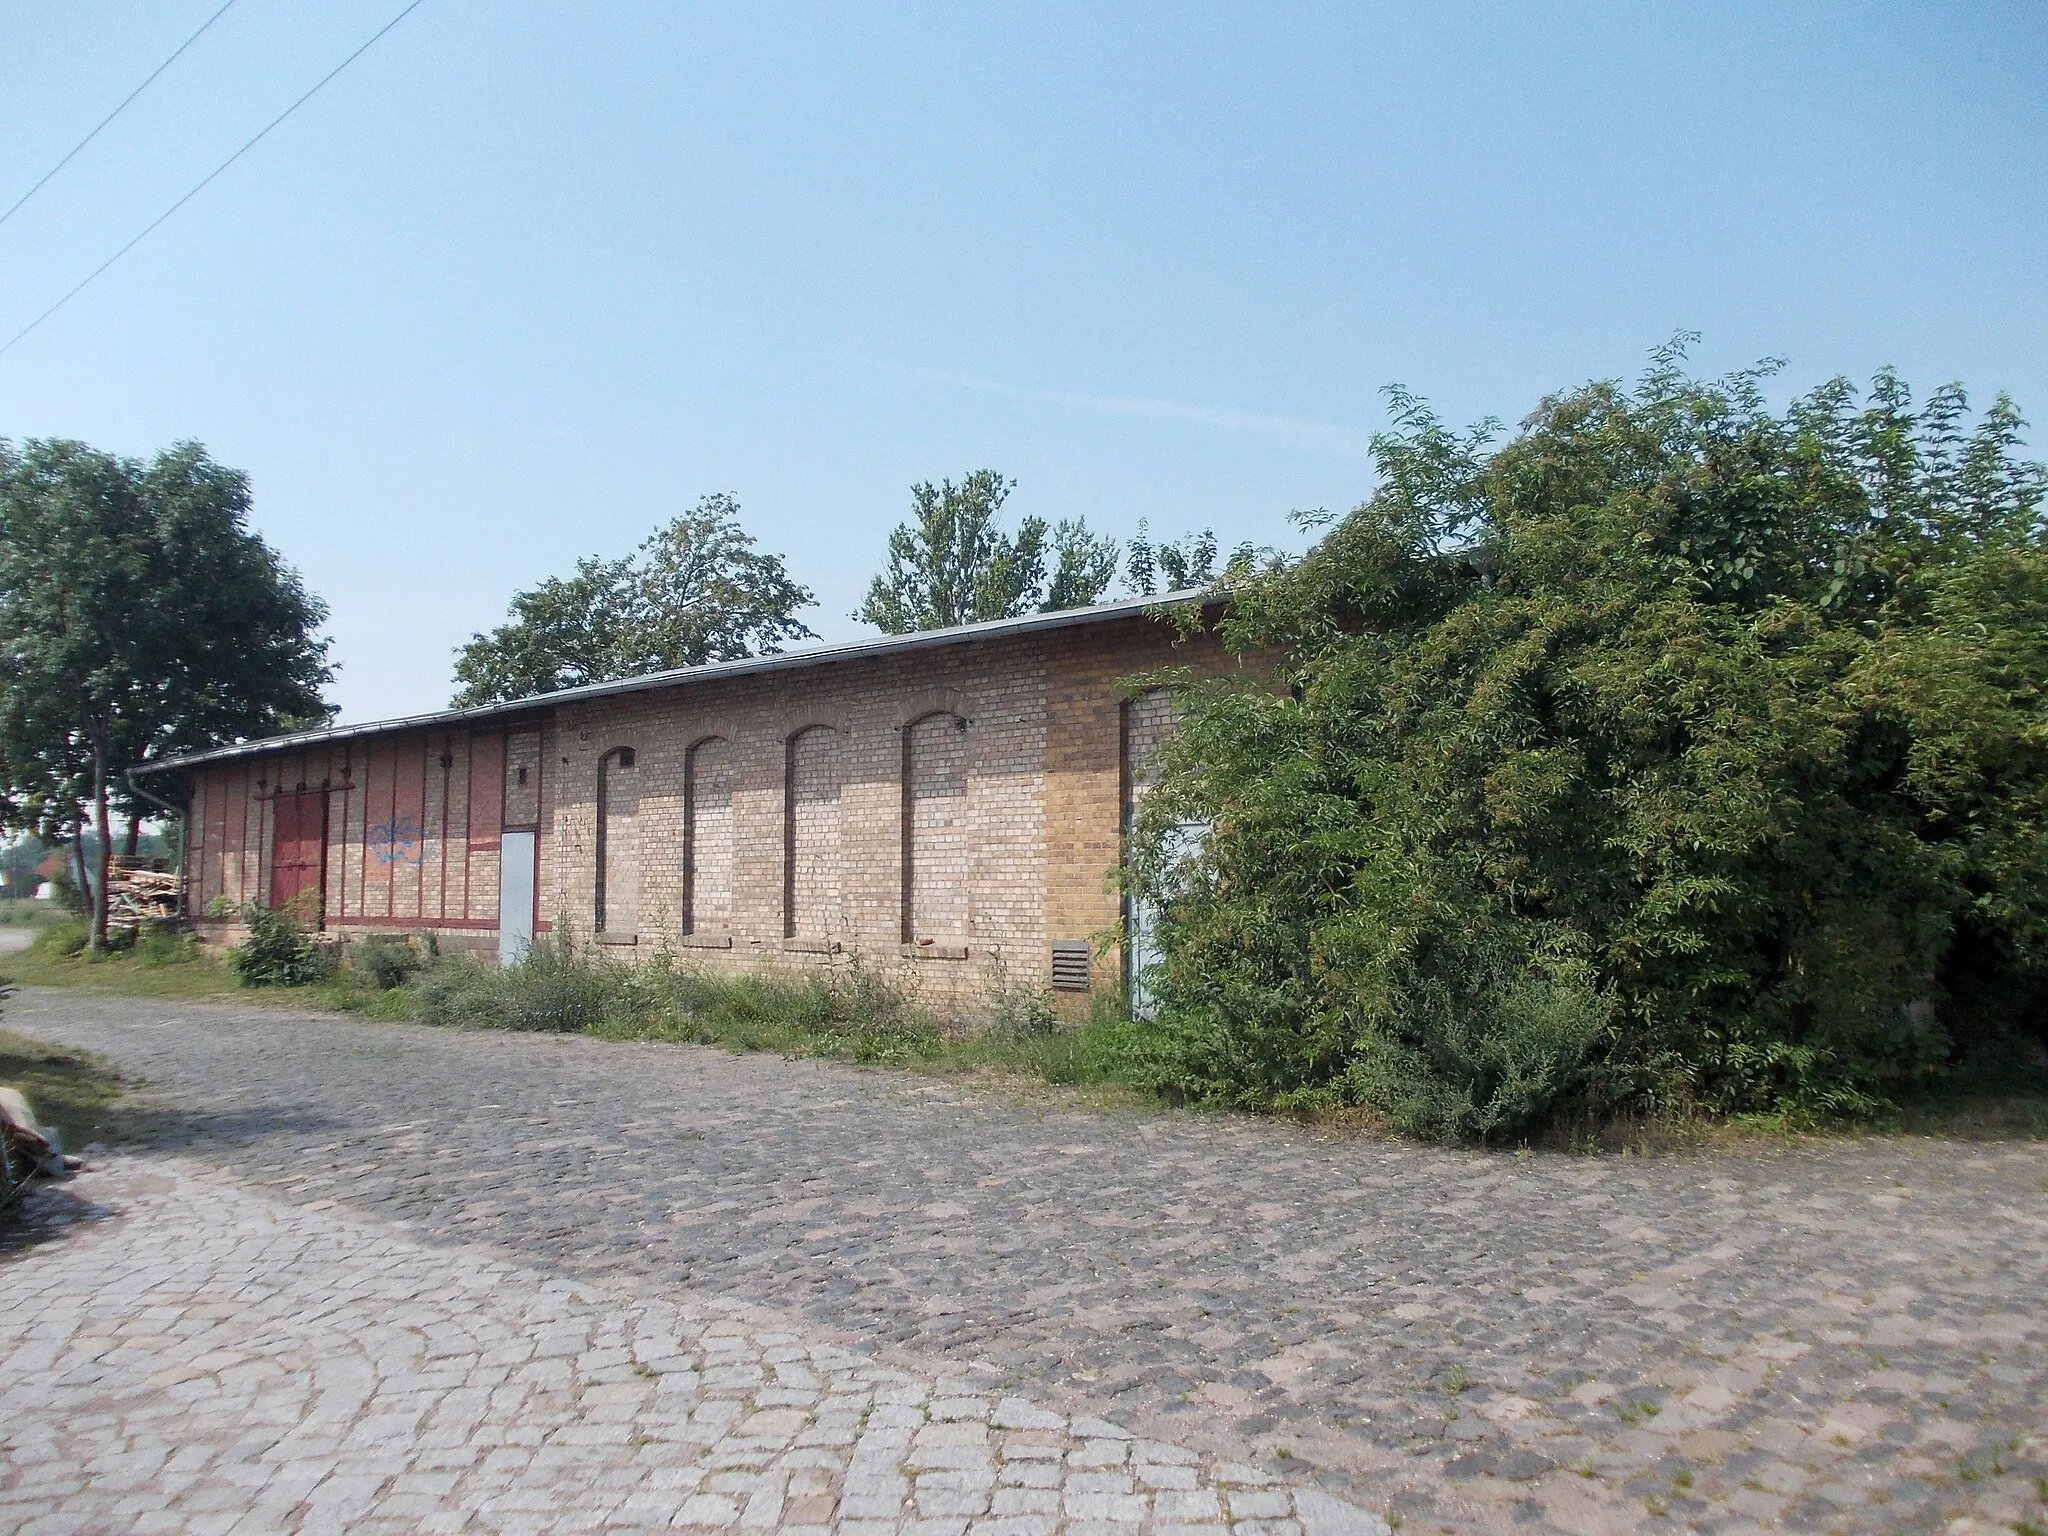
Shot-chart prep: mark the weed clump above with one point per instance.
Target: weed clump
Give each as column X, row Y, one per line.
column 559, row 988
column 852, row 1012
column 1014, row 1010
column 553, row 990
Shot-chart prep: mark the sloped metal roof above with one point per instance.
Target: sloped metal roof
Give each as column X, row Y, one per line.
column 815, row 656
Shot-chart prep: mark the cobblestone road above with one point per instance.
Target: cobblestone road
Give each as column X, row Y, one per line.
column 189, row 1357
column 1851, row 1337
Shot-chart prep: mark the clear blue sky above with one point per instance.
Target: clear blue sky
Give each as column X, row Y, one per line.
column 527, row 279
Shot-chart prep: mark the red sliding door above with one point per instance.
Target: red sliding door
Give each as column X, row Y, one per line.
column 298, row 863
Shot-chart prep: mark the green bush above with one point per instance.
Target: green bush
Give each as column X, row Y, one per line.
column 388, row 959
column 1680, row 754
column 1487, row 1059
column 279, row 951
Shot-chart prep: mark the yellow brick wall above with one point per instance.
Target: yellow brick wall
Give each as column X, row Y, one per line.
column 1018, row 816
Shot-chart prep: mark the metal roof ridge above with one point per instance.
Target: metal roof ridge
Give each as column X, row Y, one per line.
column 819, row 655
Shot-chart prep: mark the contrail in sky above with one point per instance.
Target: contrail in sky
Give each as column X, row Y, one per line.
column 1351, row 441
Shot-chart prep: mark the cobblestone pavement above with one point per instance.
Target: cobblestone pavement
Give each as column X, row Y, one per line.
column 201, row 1359
column 1850, row 1336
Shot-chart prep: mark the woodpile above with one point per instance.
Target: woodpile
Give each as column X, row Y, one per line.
column 141, row 891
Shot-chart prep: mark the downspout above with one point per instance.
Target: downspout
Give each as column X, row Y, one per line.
column 184, row 830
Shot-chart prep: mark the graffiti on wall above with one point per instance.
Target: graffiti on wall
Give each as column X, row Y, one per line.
column 401, row 840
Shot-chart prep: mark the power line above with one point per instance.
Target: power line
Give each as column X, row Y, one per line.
column 167, row 63
column 209, row 178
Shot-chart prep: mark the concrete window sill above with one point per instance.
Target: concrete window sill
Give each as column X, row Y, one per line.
column 706, row 941
column 811, row 946
column 935, row 951
column 618, row 938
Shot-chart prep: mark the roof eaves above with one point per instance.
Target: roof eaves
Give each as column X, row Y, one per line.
column 816, row 656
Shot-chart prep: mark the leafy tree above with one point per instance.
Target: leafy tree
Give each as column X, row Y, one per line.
column 696, row 591
column 1083, row 567
column 955, row 565
column 139, row 617
column 711, row 597
column 43, row 790
column 586, row 628
column 1679, row 752
column 1189, row 562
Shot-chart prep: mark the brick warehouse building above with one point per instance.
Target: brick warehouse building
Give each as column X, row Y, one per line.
column 928, row 800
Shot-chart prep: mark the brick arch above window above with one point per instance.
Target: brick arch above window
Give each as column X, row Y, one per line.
column 798, row 725
column 933, row 701
column 710, row 728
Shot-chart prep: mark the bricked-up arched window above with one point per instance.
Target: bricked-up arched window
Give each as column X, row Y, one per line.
column 707, row 837
column 617, row 900
column 935, row 845
column 810, row 834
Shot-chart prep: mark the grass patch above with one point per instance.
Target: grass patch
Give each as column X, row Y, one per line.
column 174, row 967
column 69, row 1089
column 167, row 967
column 1999, row 1094
column 25, row 913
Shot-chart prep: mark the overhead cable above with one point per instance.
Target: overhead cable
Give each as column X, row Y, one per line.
column 208, row 179
column 167, row 63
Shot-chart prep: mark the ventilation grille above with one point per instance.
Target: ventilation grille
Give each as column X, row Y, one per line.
column 1070, row 965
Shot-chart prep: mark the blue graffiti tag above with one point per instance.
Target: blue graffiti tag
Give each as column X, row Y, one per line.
column 401, row 840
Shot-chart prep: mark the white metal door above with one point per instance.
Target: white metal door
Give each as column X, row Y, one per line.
column 515, row 897
column 1184, row 844
column 1143, row 923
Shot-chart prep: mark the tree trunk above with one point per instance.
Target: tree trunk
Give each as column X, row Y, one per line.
column 105, row 827
column 133, row 845
column 78, row 870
